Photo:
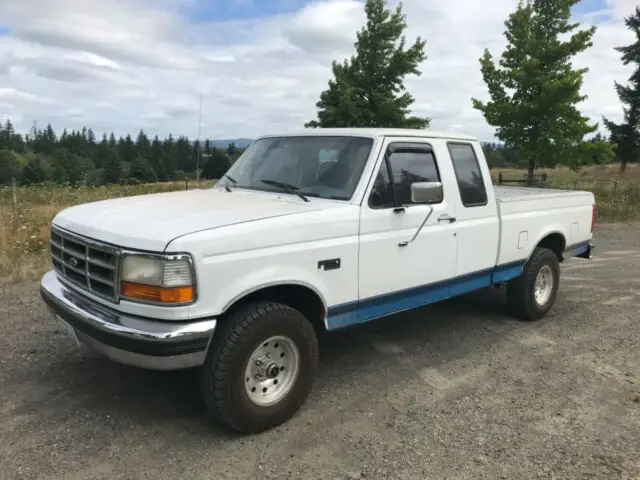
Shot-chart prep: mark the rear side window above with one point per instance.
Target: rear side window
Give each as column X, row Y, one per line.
column 470, row 181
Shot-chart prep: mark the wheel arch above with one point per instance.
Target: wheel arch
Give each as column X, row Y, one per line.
column 299, row 295
column 554, row 240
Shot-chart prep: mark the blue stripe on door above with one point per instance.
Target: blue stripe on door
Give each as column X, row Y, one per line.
column 352, row 313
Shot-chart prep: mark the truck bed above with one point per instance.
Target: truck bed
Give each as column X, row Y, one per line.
column 519, row 194
column 527, row 215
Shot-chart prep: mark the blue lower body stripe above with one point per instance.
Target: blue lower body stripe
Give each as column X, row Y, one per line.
column 577, row 249
column 352, row 313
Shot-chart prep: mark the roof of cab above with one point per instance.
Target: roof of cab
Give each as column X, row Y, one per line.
column 378, row 132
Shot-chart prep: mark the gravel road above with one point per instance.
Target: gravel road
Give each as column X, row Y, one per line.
column 459, row 390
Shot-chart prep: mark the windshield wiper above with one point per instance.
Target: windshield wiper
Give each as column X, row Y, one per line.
column 286, row 187
column 235, row 182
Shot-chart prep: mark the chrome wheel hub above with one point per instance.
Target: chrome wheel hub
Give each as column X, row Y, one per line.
column 272, row 370
column 543, row 285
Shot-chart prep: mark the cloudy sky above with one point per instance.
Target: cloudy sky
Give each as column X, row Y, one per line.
column 123, row 65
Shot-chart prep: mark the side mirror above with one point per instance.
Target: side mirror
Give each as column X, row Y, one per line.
column 426, row 192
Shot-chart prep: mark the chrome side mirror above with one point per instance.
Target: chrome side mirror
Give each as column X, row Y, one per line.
column 426, row 192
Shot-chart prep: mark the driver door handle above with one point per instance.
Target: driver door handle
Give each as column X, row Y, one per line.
column 446, row 218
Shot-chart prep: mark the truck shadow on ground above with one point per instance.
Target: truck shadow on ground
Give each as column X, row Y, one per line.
column 95, row 387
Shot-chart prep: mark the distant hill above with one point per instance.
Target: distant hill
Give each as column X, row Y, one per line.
column 224, row 143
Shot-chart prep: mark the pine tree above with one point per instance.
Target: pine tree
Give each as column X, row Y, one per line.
column 127, row 149
column 156, row 159
column 626, row 135
column 232, row 150
column 6, row 134
column 112, row 166
column 216, row 164
column 368, row 89
column 143, row 146
column 113, row 144
column 168, row 156
column 534, row 90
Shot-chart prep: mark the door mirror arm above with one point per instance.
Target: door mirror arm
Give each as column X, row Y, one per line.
column 415, row 235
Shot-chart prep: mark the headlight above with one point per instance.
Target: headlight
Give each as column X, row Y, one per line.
column 159, row 279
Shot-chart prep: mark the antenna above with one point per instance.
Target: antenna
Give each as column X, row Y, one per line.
column 199, row 146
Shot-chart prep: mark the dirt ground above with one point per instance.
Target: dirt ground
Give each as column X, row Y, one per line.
column 459, row 390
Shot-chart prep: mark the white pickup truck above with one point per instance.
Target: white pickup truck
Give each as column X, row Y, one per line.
column 307, row 232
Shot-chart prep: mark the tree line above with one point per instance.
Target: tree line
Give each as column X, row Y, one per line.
column 77, row 157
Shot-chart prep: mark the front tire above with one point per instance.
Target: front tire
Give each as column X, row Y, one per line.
column 533, row 293
column 260, row 367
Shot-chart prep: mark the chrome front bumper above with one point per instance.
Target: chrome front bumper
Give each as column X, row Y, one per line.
column 137, row 341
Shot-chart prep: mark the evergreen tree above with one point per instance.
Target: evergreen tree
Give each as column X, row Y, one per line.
column 626, row 135
column 169, row 156
column 142, row 171
column 127, row 149
column 9, row 166
column 113, row 144
column 107, row 160
column 37, row 170
column 156, row 160
column 232, row 150
column 216, row 164
column 534, row 90
column 143, row 145
column 368, row 90
column 6, row 135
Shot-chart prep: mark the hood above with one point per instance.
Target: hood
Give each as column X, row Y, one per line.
column 150, row 222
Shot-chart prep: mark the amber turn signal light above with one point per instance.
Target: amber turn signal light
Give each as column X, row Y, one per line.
column 149, row 293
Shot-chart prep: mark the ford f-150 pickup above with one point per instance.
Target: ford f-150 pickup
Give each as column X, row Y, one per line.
column 306, row 232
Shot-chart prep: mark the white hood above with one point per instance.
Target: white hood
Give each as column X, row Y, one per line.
column 150, row 222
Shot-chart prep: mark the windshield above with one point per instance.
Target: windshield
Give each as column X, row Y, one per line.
column 315, row 166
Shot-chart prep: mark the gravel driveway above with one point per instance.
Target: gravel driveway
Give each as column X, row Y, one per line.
column 459, row 390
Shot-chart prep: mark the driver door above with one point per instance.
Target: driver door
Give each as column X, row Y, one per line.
column 394, row 275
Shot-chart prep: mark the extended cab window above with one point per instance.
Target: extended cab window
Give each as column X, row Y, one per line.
column 405, row 166
column 470, row 181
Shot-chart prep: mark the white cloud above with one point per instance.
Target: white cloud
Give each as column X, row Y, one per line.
column 123, row 65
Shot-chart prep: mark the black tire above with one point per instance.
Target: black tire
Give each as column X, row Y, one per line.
column 521, row 290
column 222, row 377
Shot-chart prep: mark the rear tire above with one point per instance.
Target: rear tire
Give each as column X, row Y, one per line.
column 533, row 293
column 260, row 367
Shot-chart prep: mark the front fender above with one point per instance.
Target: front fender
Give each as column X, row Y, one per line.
column 270, row 277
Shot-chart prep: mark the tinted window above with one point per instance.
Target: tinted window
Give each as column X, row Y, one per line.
column 319, row 166
column 407, row 167
column 382, row 193
column 470, row 181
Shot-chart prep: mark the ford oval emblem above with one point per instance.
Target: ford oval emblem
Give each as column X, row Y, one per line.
column 73, row 262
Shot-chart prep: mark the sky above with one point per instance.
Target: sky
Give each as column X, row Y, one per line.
column 258, row 65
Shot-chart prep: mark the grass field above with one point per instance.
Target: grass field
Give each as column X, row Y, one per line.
column 25, row 222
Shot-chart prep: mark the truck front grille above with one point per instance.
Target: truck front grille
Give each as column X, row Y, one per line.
column 85, row 263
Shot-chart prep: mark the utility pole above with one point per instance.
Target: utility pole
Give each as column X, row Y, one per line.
column 199, row 146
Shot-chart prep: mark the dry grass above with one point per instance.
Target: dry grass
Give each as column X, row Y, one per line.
column 566, row 176
column 24, row 229
column 617, row 195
